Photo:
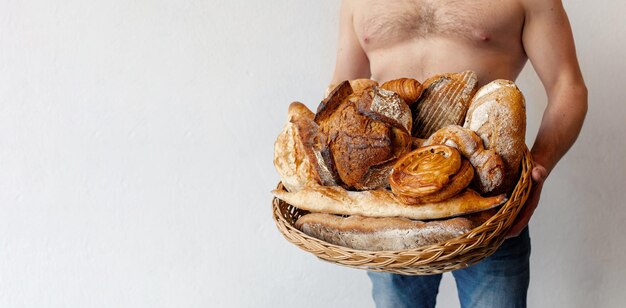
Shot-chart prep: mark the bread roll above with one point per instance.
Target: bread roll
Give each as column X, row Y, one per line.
column 376, row 234
column 445, row 101
column 497, row 114
column 382, row 203
column 489, row 166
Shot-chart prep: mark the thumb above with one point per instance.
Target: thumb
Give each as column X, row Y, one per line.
column 539, row 173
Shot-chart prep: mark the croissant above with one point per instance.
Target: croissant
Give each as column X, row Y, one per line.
column 409, row 89
column 488, row 164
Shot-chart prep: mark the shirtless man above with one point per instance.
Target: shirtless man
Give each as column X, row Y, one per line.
column 384, row 40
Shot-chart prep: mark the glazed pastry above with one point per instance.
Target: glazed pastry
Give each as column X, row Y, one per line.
column 424, row 171
column 457, row 183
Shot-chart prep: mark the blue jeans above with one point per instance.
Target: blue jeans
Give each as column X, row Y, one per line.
column 500, row 280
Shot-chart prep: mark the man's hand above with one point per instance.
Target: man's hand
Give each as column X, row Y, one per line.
column 539, row 175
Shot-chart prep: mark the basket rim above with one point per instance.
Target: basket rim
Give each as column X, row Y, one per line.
column 458, row 252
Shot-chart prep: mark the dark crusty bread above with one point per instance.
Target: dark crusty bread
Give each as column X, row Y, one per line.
column 362, row 135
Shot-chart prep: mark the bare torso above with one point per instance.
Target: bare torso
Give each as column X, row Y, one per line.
column 422, row 38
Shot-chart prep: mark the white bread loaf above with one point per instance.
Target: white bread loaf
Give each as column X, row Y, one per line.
column 294, row 166
column 497, row 113
column 376, row 234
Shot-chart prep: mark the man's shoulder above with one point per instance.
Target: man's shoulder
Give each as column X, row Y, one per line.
column 533, row 5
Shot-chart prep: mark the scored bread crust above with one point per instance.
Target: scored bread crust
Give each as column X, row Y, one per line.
column 376, row 234
column 497, row 113
column 445, row 101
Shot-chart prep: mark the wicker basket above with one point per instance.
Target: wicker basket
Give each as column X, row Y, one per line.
column 456, row 253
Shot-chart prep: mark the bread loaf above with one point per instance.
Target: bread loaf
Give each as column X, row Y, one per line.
column 292, row 163
column 376, row 234
column 445, row 101
column 382, row 203
column 497, row 113
column 363, row 135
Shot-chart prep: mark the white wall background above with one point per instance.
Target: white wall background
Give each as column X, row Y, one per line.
column 136, row 157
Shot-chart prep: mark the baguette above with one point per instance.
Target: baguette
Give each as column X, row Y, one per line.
column 382, row 203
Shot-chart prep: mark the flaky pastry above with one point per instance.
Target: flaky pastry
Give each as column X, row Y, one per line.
column 424, row 171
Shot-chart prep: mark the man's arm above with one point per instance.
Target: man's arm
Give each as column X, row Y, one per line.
column 352, row 62
column 549, row 44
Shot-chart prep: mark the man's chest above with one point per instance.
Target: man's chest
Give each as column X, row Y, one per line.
column 384, row 23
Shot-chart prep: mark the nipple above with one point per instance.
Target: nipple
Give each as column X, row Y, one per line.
column 482, row 36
